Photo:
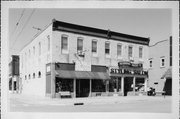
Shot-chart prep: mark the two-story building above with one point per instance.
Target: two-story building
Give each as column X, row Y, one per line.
column 160, row 66
column 84, row 61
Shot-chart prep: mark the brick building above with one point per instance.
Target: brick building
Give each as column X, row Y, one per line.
column 84, row 61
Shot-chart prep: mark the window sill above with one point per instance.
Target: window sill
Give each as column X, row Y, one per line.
column 94, row 54
column 107, row 55
column 65, row 52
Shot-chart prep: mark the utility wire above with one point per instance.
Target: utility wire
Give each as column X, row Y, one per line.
column 18, row 22
column 24, row 26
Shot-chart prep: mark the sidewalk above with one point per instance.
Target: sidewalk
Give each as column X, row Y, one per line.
column 86, row 101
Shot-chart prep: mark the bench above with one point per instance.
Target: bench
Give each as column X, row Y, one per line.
column 65, row 94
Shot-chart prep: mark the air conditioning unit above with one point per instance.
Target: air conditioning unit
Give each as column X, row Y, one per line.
column 81, row 53
column 131, row 59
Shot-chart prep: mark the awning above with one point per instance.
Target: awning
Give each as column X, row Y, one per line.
column 81, row 75
column 167, row 74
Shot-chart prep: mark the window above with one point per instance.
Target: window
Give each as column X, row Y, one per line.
column 107, row 48
column 25, row 77
column 29, row 53
column 150, row 63
column 64, row 44
column 34, row 50
column 39, row 74
column 79, row 44
column 94, row 46
column 162, row 62
column 119, row 50
column 39, row 48
column 29, row 76
column 140, row 52
column 33, row 75
column 130, row 51
column 25, row 57
column 48, row 42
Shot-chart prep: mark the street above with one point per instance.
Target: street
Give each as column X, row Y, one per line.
column 109, row 104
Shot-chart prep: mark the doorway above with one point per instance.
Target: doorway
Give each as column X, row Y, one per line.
column 128, row 81
column 82, row 87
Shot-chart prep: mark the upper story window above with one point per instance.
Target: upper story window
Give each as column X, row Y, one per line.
column 80, row 44
column 94, row 47
column 48, row 37
column 64, row 44
column 39, row 48
column 150, row 63
column 33, row 50
column 25, row 57
column 162, row 62
column 140, row 52
column 130, row 51
column 29, row 53
column 107, row 48
column 119, row 50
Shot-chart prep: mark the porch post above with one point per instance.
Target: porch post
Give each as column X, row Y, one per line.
column 53, row 80
column 122, row 85
column 145, row 84
column 107, row 86
column 90, row 87
column 134, row 84
column 74, row 87
column 117, row 84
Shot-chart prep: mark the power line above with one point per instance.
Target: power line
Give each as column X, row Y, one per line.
column 18, row 22
column 24, row 26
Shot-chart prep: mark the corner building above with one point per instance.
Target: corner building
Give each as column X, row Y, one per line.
column 84, row 62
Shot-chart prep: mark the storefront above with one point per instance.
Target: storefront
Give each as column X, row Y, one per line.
column 77, row 83
column 128, row 79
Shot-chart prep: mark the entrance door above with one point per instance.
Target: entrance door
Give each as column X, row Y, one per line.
column 82, row 87
column 128, row 81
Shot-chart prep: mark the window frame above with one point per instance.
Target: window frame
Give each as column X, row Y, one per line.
column 107, row 54
column 151, row 64
column 95, row 54
column 141, row 53
column 119, row 56
column 161, row 62
column 130, row 46
column 64, row 51
column 80, row 38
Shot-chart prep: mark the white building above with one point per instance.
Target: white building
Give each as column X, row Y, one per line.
column 84, row 61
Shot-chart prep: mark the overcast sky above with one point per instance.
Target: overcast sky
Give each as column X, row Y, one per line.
column 153, row 23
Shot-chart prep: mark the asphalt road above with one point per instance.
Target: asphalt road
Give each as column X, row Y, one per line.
column 155, row 106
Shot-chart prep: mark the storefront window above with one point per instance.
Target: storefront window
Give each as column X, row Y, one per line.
column 64, row 85
column 112, row 85
column 98, row 86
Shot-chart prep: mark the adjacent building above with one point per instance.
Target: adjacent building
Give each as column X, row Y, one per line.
column 160, row 66
column 14, row 79
column 84, row 61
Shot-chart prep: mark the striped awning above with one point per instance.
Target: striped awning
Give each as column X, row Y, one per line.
column 81, row 75
column 167, row 74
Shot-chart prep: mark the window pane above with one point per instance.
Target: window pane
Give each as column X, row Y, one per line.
column 94, row 46
column 130, row 51
column 107, row 50
column 80, row 44
column 140, row 52
column 48, row 43
column 39, row 48
column 64, row 43
column 119, row 50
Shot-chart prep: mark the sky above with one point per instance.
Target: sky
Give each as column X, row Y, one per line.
column 153, row 23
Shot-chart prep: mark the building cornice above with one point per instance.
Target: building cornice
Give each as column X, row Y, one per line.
column 107, row 34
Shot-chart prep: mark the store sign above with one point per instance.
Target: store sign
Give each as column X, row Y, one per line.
column 127, row 71
column 130, row 64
